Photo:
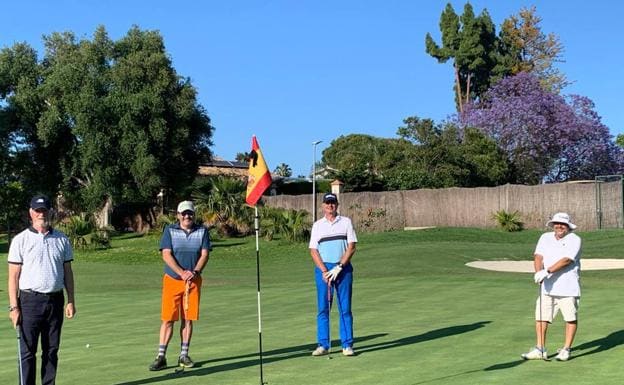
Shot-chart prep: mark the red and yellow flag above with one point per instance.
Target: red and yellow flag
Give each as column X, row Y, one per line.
column 259, row 178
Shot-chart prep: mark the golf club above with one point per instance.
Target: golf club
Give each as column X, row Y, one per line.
column 541, row 324
column 185, row 299
column 19, row 356
column 185, row 306
column 329, row 301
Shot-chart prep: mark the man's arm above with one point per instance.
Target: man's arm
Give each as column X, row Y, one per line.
column 202, row 261
column 560, row 264
column 318, row 261
column 538, row 262
column 70, row 308
column 346, row 257
column 167, row 256
column 13, row 283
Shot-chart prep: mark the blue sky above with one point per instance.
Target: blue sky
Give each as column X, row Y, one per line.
column 293, row 72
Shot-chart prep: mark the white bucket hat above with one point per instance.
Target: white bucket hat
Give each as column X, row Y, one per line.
column 561, row 218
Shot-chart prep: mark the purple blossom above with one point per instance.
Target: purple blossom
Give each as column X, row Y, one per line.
column 547, row 137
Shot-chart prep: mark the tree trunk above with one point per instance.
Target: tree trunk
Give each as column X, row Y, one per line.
column 459, row 93
column 102, row 217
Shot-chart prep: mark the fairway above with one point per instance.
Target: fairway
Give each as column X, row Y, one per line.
column 421, row 316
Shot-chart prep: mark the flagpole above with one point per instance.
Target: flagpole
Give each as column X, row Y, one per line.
column 258, row 283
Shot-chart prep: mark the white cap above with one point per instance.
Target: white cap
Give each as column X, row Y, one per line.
column 186, row 206
column 561, row 218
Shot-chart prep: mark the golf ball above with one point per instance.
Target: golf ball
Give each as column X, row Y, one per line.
column 87, row 346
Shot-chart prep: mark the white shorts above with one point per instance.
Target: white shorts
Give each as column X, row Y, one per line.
column 552, row 304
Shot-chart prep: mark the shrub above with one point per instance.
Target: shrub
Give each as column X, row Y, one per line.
column 508, row 221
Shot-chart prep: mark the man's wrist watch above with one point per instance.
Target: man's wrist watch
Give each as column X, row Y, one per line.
column 11, row 308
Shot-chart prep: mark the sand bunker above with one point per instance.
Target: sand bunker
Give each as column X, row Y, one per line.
column 527, row 266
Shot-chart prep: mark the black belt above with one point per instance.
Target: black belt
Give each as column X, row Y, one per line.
column 52, row 294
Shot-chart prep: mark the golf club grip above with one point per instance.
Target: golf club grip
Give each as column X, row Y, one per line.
column 185, row 299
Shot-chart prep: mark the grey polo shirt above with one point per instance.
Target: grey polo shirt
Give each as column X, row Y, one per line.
column 42, row 257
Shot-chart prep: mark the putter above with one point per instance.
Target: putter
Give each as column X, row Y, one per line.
column 185, row 299
column 542, row 336
column 19, row 356
column 185, row 306
column 329, row 301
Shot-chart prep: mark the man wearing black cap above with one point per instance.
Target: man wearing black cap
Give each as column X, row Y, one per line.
column 39, row 269
column 332, row 244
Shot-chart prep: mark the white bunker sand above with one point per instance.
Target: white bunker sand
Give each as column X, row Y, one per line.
column 527, row 266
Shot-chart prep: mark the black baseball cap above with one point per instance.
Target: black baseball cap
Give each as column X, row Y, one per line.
column 40, row 202
column 330, row 197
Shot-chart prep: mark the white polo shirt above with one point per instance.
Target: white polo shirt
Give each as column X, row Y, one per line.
column 331, row 238
column 42, row 258
column 564, row 282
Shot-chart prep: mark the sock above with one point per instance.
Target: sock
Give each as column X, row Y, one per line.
column 184, row 349
column 162, row 350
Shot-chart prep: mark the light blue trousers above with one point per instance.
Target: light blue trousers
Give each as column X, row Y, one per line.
column 342, row 288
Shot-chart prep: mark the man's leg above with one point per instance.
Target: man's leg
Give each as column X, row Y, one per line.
column 322, row 316
column 51, row 339
column 570, row 332
column 31, row 307
column 344, row 288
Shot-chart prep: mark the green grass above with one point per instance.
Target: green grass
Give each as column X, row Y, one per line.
column 421, row 315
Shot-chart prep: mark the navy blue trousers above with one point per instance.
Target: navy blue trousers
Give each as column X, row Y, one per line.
column 42, row 317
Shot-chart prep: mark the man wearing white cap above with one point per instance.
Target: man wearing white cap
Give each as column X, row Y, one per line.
column 184, row 247
column 557, row 262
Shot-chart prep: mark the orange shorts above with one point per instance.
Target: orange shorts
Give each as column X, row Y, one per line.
column 177, row 301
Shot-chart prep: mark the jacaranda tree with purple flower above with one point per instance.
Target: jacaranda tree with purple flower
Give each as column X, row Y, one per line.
column 547, row 137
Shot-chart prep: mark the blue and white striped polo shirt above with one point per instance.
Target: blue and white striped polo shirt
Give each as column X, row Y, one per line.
column 331, row 238
column 185, row 247
column 42, row 257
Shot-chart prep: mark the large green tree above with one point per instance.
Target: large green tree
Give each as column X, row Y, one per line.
column 526, row 48
column 102, row 119
column 470, row 41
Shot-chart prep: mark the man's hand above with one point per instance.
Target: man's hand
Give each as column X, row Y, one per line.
column 333, row 273
column 541, row 275
column 15, row 316
column 70, row 310
column 187, row 275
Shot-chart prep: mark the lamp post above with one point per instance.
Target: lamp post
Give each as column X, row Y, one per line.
column 314, row 179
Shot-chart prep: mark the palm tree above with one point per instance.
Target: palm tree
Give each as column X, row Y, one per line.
column 283, row 170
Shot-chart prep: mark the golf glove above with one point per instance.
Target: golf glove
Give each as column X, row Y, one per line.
column 333, row 273
column 541, row 275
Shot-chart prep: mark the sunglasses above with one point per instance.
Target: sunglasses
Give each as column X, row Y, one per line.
column 187, row 213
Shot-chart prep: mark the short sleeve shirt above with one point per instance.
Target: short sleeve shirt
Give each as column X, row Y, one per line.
column 42, row 257
column 331, row 238
column 564, row 282
column 186, row 247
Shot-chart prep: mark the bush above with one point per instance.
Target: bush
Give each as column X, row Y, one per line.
column 508, row 221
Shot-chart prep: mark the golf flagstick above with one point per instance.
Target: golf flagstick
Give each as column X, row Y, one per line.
column 259, row 307
column 19, row 356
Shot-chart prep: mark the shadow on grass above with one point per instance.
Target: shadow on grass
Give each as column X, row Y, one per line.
column 248, row 360
column 430, row 335
column 601, row 344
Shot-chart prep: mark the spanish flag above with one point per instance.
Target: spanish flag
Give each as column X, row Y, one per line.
column 259, row 178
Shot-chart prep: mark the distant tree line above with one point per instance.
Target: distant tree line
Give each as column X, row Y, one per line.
column 511, row 124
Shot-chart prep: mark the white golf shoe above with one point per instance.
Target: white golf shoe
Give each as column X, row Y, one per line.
column 320, row 351
column 535, row 354
column 564, row 354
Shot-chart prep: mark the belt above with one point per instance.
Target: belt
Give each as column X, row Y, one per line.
column 52, row 294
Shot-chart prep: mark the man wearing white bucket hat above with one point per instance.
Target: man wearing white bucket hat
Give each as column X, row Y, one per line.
column 557, row 262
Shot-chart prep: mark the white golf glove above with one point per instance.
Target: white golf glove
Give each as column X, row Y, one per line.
column 541, row 275
column 333, row 273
